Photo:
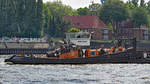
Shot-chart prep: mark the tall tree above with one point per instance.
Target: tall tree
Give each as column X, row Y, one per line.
column 52, row 28
column 56, row 23
column 139, row 18
column 113, row 11
column 6, row 17
column 40, row 17
column 63, row 27
column 1, row 24
column 148, row 6
column 2, row 20
column 95, row 8
column 135, row 2
column 83, row 11
column 20, row 15
column 47, row 19
column 30, row 29
column 142, row 3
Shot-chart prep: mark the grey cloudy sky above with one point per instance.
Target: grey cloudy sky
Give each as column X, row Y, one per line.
column 78, row 3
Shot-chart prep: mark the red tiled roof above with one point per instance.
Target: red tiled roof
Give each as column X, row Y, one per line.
column 86, row 22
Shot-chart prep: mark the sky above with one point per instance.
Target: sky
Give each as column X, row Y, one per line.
column 78, row 3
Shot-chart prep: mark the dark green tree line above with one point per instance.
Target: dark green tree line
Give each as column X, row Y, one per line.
column 114, row 12
column 21, row 18
column 33, row 18
column 54, row 23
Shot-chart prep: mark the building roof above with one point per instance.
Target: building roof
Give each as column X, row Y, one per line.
column 86, row 22
column 127, row 24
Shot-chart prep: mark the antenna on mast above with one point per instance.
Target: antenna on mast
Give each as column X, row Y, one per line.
column 102, row 1
column 92, row 2
column 94, row 6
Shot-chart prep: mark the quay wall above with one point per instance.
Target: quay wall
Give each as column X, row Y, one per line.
column 24, row 45
column 140, row 46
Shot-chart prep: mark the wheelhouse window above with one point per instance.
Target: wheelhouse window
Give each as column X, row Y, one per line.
column 79, row 35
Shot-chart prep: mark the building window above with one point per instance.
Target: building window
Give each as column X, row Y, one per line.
column 105, row 31
column 105, row 37
column 145, row 35
column 145, row 32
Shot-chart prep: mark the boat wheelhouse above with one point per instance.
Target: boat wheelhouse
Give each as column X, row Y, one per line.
column 79, row 38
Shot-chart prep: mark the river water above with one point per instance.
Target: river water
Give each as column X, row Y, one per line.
column 74, row 74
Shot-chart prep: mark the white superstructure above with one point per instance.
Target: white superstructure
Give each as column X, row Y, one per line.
column 79, row 38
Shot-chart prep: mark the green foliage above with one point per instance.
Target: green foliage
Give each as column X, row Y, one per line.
column 58, row 9
column 33, row 18
column 135, row 2
column 39, row 16
column 140, row 17
column 92, row 10
column 95, row 8
column 139, row 14
column 54, row 23
column 130, row 7
column 83, row 11
column 114, row 11
column 74, row 30
column 142, row 3
column 110, row 26
column 19, row 18
column 148, row 7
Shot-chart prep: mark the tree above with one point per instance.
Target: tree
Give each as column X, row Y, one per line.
column 148, row 6
column 58, row 9
column 63, row 27
column 142, row 3
column 7, row 18
column 57, row 26
column 40, row 17
column 114, row 11
column 83, row 11
column 47, row 19
column 1, row 15
column 130, row 7
column 74, row 30
column 30, row 20
column 135, row 2
column 20, row 15
column 95, row 8
column 140, row 17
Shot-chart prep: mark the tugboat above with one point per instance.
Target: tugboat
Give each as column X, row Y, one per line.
column 73, row 54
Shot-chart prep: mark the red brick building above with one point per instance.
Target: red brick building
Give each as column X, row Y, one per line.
column 90, row 24
column 129, row 30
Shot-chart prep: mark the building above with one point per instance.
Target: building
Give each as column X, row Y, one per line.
column 127, row 30
column 91, row 24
